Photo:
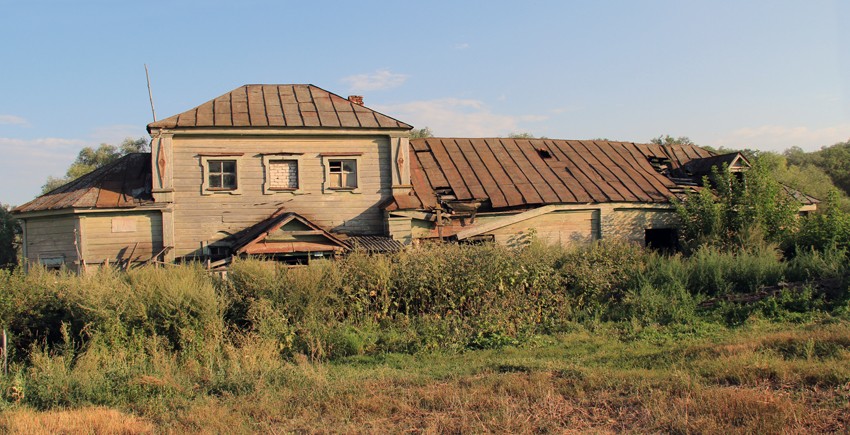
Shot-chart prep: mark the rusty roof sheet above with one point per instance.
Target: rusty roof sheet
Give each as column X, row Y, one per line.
column 523, row 172
column 280, row 106
column 123, row 183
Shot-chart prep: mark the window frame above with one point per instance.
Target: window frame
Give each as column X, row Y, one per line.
column 205, row 173
column 327, row 158
column 268, row 159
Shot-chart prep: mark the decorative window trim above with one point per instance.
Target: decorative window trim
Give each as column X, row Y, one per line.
column 205, row 176
column 327, row 158
column 268, row 159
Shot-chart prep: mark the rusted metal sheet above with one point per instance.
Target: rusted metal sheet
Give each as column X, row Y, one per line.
column 513, row 173
column 280, row 106
column 125, row 182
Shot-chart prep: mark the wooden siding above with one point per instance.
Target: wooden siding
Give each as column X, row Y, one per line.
column 629, row 224
column 203, row 219
column 106, row 238
column 50, row 237
column 564, row 228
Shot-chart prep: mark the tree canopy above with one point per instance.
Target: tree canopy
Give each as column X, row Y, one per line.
column 10, row 229
column 420, row 133
column 90, row 159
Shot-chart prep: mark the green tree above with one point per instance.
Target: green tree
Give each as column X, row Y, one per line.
column 420, row 133
column 90, row 159
column 737, row 208
column 10, row 230
column 804, row 177
column 670, row 140
column 834, row 160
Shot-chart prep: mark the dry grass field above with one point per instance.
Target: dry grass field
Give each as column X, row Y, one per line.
column 759, row 378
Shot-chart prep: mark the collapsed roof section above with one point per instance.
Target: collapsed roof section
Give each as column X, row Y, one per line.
column 124, row 183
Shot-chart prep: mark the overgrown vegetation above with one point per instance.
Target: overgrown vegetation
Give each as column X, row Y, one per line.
column 592, row 325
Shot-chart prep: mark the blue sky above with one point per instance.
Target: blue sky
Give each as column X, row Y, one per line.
column 760, row 74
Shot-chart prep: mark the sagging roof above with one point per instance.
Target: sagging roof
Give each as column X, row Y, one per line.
column 123, row 183
column 736, row 162
column 280, row 106
column 285, row 233
column 524, row 172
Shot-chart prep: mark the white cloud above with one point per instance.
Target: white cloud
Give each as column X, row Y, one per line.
column 462, row 46
column 30, row 161
column 376, row 81
column 458, row 117
column 781, row 137
column 13, row 120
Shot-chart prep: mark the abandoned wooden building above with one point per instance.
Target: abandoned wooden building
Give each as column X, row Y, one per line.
column 297, row 172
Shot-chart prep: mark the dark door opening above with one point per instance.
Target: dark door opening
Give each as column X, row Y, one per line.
column 662, row 239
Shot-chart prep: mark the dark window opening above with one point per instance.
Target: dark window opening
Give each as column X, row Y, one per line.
column 544, row 153
column 662, row 239
column 222, row 174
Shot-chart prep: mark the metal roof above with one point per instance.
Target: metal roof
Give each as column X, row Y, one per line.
column 123, row 183
column 522, row 172
column 280, row 106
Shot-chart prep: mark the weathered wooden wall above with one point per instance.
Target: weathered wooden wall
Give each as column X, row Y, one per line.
column 563, row 228
column 113, row 236
column 201, row 220
column 51, row 237
column 576, row 224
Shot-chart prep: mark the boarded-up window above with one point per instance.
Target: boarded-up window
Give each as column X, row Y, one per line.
column 124, row 225
column 283, row 174
column 342, row 174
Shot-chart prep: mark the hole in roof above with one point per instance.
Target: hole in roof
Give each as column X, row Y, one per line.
column 544, row 153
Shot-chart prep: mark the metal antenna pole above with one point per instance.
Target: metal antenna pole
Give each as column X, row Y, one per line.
column 150, row 94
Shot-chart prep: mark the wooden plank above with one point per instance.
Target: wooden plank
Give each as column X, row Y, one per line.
column 529, row 150
column 520, row 180
column 470, row 177
column 453, row 176
column 509, row 191
column 494, row 191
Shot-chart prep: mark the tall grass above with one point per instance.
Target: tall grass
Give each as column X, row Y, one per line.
column 154, row 339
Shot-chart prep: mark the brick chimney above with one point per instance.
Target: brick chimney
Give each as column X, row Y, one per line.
column 356, row 99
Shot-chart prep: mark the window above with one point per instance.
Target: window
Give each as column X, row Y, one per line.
column 282, row 173
column 221, row 174
column 342, row 174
